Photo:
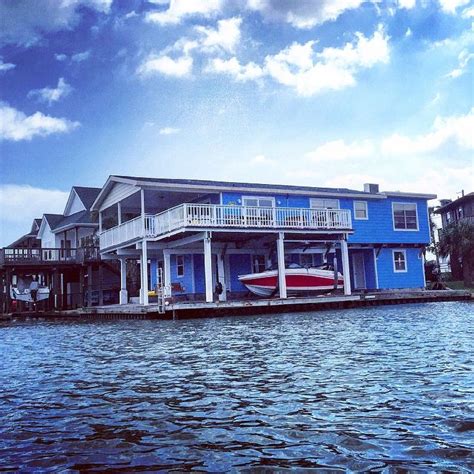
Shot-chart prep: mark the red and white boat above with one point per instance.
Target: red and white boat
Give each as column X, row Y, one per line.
column 298, row 280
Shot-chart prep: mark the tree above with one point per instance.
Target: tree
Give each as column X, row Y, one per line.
column 457, row 239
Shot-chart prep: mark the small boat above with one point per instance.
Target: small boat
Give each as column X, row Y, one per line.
column 298, row 280
column 29, row 296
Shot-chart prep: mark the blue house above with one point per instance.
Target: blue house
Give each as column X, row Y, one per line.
column 190, row 234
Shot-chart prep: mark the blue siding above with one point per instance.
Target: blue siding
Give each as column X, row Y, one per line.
column 239, row 265
column 199, row 273
column 413, row 278
column 187, row 279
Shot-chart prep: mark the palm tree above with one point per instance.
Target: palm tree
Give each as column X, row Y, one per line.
column 457, row 239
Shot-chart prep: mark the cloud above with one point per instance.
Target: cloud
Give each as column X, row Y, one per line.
column 225, row 37
column 303, row 14
column 450, row 6
column 232, row 67
column 407, row 4
column 338, row 150
column 464, row 57
column 60, row 57
column 4, row 67
column 24, row 23
column 16, row 125
column 169, row 131
column 262, row 160
column 79, row 57
column 310, row 73
column 50, row 95
column 179, row 9
column 20, row 204
column 163, row 64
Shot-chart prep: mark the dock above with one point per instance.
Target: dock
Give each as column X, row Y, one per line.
column 195, row 309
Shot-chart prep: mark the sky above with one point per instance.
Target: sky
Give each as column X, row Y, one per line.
column 317, row 92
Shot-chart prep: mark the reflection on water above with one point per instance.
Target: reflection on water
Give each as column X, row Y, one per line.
column 373, row 388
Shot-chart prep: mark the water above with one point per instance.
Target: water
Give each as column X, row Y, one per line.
column 382, row 388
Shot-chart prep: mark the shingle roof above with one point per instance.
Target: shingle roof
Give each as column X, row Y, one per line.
column 87, row 195
column 227, row 184
column 81, row 217
column 53, row 219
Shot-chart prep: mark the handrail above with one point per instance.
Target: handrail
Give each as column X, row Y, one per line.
column 225, row 216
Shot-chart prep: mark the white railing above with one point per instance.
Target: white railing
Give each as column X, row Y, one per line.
column 224, row 216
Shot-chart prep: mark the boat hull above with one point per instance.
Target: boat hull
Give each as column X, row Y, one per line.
column 27, row 297
column 301, row 280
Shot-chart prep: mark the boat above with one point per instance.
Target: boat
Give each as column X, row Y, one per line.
column 298, row 280
column 22, row 292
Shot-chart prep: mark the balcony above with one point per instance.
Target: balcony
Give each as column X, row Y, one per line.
column 47, row 256
column 225, row 217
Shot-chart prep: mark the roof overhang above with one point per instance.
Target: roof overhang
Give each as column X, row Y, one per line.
column 74, row 225
column 410, row 195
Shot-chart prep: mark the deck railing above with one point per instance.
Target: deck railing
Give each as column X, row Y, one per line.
column 32, row 256
column 225, row 217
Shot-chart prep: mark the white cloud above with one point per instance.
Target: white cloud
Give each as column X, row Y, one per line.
column 225, row 37
column 60, row 57
column 169, row 131
column 464, row 57
column 333, row 68
column 178, row 9
column 4, row 67
column 259, row 160
column 232, row 67
column 24, row 23
column 338, row 150
column 302, row 14
column 408, row 4
column 50, row 95
column 79, row 57
column 16, row 126
column 20, row 204
column 446, row 131
column 163, row 64
column 450, row 6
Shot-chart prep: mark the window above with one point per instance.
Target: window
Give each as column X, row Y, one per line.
column 258, row 263
column 324, row 203
column 399, row 261
column 180, row 265
column 405, row 216
column 361, row 210
column 306, row 259
column 258, row 201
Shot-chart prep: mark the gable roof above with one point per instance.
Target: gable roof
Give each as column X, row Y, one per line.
column 53, row 219
column 87, row 195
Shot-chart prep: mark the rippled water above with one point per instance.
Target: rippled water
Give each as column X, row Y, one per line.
column 373, row 388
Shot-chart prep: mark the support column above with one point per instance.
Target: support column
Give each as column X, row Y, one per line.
column 281, row 265
column 144, row 272
column 345, row 267
column 123, row 295
column 208, row 268
column 89, row 285
column 221, row 276
column 119, row 213
column 167, row 272
column 100, row 222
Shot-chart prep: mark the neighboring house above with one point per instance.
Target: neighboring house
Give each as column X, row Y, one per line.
column 62, row 250
column 452, row 212
column 193, row 233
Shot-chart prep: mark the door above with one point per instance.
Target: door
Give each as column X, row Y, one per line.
column 358, row 267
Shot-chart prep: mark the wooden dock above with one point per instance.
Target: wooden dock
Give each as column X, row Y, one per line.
column 188, row 309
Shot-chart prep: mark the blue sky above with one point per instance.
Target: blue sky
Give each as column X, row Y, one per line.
column 323, row 93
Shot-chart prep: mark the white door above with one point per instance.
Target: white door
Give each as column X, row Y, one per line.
column 358, row 267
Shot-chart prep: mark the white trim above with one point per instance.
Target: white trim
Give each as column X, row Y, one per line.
column 366, row 218
column 424, row 271
column 404, row 252
column 417, row 219
column 311, row 200
column 376, row 269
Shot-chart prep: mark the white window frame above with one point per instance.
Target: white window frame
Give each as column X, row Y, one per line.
column 417, row 219
column 366, row 204
column 404, row 253
column 178, row 265
column 312, row 200
column 253, row 259
column 269, row 198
